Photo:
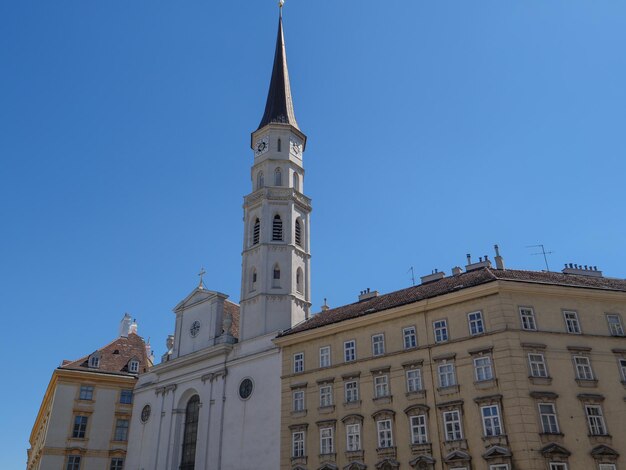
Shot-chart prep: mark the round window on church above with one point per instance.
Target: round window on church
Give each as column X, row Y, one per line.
column 145, row 413
column 195, row 328
column 245, row 388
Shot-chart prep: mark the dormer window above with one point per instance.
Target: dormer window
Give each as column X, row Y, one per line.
column 94, row 361
column 133, row 366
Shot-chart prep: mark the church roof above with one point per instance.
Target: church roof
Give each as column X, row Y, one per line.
column 451, row 284
column 115, row 356
column 279, row 105
column 233, row 309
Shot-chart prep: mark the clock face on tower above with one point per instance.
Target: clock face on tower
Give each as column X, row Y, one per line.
column 296, row 148
column 261, row 146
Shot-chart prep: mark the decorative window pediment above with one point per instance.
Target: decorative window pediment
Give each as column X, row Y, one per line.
column 602, row 452
column 388, row 464
column 355, row 466
column 457, row 456
column 495, row 452
column 418, row 409
column 554, row 449
column 384, row 414
column 328, row 466
column 422, row 462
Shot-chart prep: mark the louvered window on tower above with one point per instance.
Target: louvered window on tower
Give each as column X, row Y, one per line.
column 298, row 233
column 256, row 232
column 277, row 229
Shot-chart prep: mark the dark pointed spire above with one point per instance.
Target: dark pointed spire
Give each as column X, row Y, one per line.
column 279, row 106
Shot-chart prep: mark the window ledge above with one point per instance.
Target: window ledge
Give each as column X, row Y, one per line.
column 424, row 448
column 551, row 437
column 587, row 383
column 352, row 404
column 323, row 410
column 485, row 384
column 354, row 454
column 389, row 452
column 600, row 439
column 299, row 460
column 455, row 445
column 449, row 390
column 332, row 457
column 418, row 394
column 540, row 380
column 499, row 440
column 383, row 400
column 298, row 414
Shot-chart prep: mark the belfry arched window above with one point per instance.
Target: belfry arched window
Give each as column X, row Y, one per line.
column 253, row 277
column 260, row 180
column 296, row 181
column 298, row 230
column 276, row 276
column 277, row 229
column 278, row 177
column 256, row 231
column 279, row 145
column 299, row 281
column 188, row 460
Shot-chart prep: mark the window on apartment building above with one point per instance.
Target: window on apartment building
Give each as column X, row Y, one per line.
column 440, row 328
column 475, row 321
column 381, row 386
column 501, row 466
column 622, row 369
column 86, row 392
column 410, row 337
column 583, row 368
column 595, row 420
column 452, row 425
column 413, row 380
column 126, row 397
column 385, row 436
column 352, row 391
column 482, row 368
column 353, row 437
column 607, row 466
column 349, row 351
column 297, row 444
column 615, row 324
column 446, row 374
column 298, row 362
column 326, row 395
column 298, row 400
column 418, row 429
column 547, row 414
column 378, row 345
column 133, row 366
column 117, row 463
column 121, row 430
column 325, row 356
column 492, row 424
column 326, row 441
column 73, row 462
column 527, row 318
column 537, row 365
column 558, row 466
column 572, row 324
column 80, row 427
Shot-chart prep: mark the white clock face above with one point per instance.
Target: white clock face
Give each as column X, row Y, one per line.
column 261, row 146
column 296, row 148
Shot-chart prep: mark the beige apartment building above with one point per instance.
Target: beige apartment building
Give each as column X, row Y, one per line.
column 485, row 369
column 84, row 418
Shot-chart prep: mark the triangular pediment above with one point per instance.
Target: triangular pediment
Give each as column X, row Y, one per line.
column 355, row 466
column 555, row 449
column 604, row 451
column 496, row 451
column 387, row 464
column 456, row 456
column 197, row 296
column 328, row 466
column 421, row 459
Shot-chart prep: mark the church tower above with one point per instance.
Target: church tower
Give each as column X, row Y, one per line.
column 275, row 278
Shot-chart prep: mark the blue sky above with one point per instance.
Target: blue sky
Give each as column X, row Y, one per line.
column 435, row 129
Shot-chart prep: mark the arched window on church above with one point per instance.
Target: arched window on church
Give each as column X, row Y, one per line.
column 299, row 281
column 188, row 460
column 298, row 231
column 278, row 177
column 296, row 181
column 279, row 144
column 260, row 180
column 277, row 229
column 276, row 276
column 256, row 231
column 253, row 279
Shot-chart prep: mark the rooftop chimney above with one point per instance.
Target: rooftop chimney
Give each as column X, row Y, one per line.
column 125, row 325
column 133, row 327
column 581, row 270
column 457, row 270
column 366, row 294
column 434, row 276
column 499, row 259
column 480, row 264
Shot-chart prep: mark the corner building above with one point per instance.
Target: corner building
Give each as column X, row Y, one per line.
column 486, row 369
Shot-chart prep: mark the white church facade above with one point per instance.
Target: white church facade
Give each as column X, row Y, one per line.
column 214, row 400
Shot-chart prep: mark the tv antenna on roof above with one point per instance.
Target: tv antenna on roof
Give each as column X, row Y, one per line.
column 542, row 252
column 412, row 275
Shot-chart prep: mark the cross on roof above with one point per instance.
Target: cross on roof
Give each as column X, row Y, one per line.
column 201, row 274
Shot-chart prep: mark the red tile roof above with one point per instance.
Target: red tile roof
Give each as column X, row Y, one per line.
column 452, row 284
column 233, row 309
column 115, row 356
